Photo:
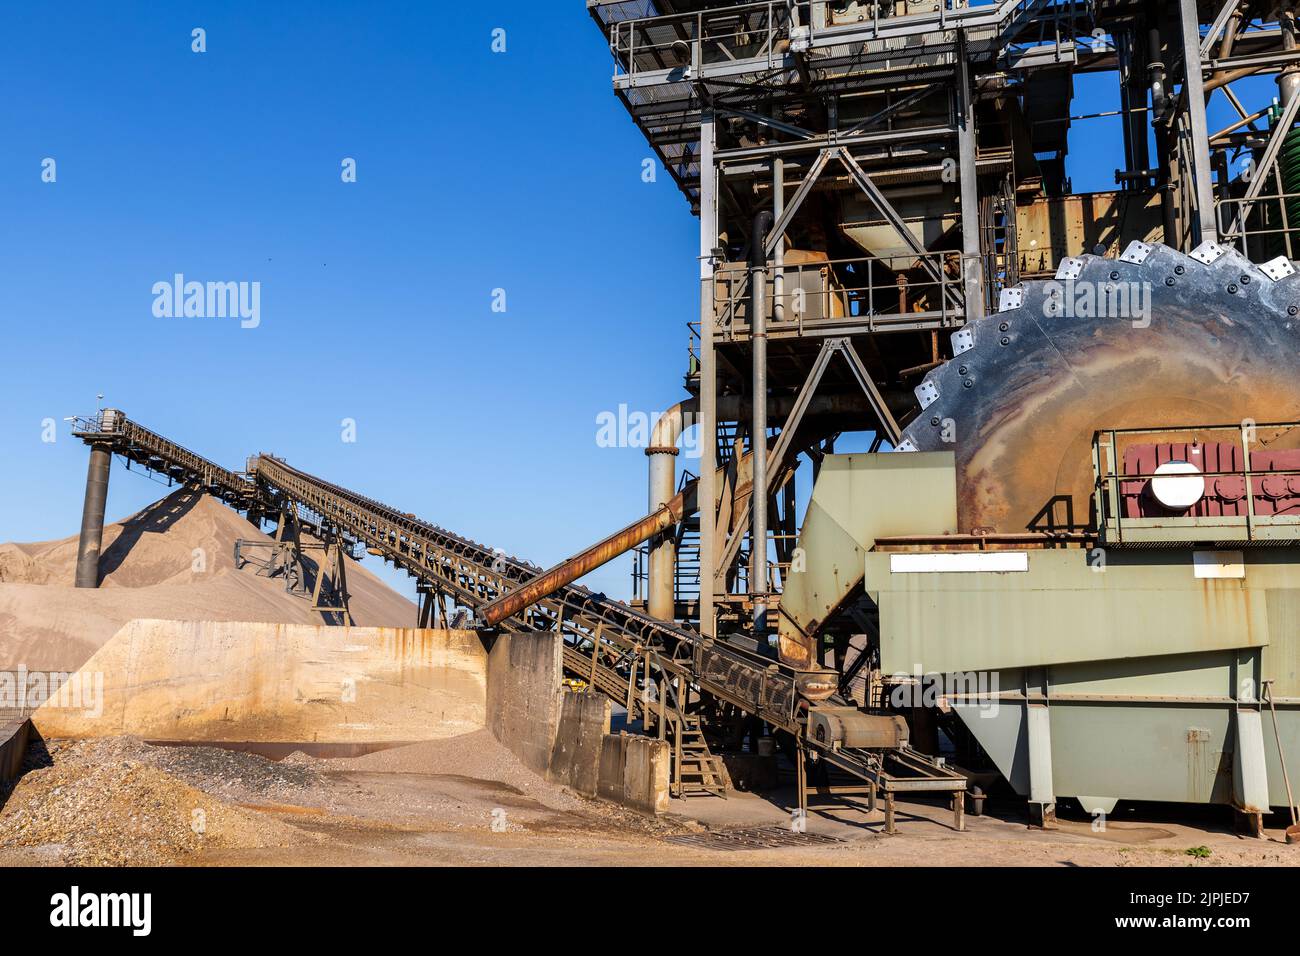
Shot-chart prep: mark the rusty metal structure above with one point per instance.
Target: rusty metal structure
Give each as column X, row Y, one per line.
column 891, row 247
column 660, row 672
column 870, row 177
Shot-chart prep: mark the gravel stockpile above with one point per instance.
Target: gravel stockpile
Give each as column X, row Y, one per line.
column 108, row 802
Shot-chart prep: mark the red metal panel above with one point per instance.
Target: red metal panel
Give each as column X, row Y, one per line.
column 1225, row 494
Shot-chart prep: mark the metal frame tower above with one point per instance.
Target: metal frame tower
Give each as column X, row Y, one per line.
column 870, row 176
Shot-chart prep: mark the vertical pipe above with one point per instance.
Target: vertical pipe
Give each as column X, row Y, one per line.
column 758, row 422
column 708, row 500
column 1159, row 105
column 1289, row 79
column 92, row 516
column 662, row 454
column 778, row 254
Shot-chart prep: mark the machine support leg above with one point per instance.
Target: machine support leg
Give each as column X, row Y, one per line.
column 92, row 517
column 889, row 813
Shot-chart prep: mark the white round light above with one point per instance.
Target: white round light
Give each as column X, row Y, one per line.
column 1178, row 485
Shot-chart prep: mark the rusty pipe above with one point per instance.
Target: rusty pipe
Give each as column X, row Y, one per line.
column 583, row 563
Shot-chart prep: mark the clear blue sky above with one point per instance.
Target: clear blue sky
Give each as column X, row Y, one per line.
column 475, row 171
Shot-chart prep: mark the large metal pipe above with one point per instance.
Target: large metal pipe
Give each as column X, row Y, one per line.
column 758, row 420
column 662, row 453
column 92, row 516
column 583, row 563
column 1288, row 81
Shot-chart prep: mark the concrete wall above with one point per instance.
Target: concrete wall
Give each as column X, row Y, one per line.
column 14, row 736
column 575, row 758
column 565, row 736
column 525, row 695
column 634, row 771
column 242, row 682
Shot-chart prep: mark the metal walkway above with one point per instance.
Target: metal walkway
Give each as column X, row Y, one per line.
column 615, row 648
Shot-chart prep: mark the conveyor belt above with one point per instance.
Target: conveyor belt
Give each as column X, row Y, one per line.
column 592, row 625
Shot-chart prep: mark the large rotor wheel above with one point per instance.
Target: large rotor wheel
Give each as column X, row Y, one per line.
column 1153, row 339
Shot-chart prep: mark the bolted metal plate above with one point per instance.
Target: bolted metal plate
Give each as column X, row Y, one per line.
column 926, row 393
column 1070, row 268
column 1207, row 252
column 963, row 340
column 754, row 838
column 905, row 445
column 1136, row 252
column 1278, row 268
column 1009, row 299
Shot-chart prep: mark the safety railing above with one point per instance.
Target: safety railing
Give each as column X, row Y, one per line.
column 1261, row 228
column 843, row 296
column 1250, row 441
column 679, row 41
column 759, row 35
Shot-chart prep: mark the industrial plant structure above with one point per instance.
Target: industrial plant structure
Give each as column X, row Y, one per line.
column 1070, row 557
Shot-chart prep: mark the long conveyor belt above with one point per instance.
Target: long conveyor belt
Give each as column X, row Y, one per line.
column 603, row 639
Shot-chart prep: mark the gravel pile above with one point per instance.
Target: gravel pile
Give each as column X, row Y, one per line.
column 108, row 803
column 233, row 774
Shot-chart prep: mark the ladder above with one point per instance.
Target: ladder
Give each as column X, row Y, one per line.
column 696, row 768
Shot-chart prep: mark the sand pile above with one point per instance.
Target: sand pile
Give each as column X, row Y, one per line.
column 174, row 560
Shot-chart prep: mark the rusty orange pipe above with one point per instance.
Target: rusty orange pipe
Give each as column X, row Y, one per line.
column 583, row 563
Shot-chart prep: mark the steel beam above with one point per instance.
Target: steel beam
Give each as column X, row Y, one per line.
column 1194, row 101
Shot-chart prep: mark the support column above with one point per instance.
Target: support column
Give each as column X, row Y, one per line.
column 967, row 159
column 708, row 494
column 1194, row 90
column 92, row 516
column 758, row 419
column 1038, row 720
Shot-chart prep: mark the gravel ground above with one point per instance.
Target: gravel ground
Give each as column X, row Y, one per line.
column 107, row 802
column 120, row 801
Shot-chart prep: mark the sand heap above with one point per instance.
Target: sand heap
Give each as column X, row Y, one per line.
column 174, row 560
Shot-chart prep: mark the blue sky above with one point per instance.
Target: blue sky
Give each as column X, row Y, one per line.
column 475, row 171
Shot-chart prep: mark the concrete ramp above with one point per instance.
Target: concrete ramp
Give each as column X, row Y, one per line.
column 224, row 681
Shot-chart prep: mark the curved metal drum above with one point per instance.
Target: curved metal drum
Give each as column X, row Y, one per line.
column 1155, row 338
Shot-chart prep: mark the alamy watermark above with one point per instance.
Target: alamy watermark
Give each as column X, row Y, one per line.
column 27, row 690
column 208, row 300
column 977, row 689
column 1085, row 299
column 629, row 428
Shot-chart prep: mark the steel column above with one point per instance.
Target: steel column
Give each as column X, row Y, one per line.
column 92, row 516
column 708, row 494
column 1194, row 99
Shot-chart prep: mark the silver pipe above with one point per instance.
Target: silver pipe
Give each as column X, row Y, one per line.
column 662, row 455
column 1288, row 81
column 758, row 421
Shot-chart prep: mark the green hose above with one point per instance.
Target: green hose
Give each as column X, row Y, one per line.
column 1288, row 166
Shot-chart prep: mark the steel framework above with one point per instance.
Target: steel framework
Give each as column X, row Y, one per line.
column 868, row 175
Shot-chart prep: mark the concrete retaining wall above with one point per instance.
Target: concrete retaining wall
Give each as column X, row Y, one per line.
column 575, row 759
column 14, row 736
column 525, row 694
column 634, row 771
column 565, row 736
column 241, row 682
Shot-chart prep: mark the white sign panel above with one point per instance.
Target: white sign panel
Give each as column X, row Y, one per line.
column 947, row 562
